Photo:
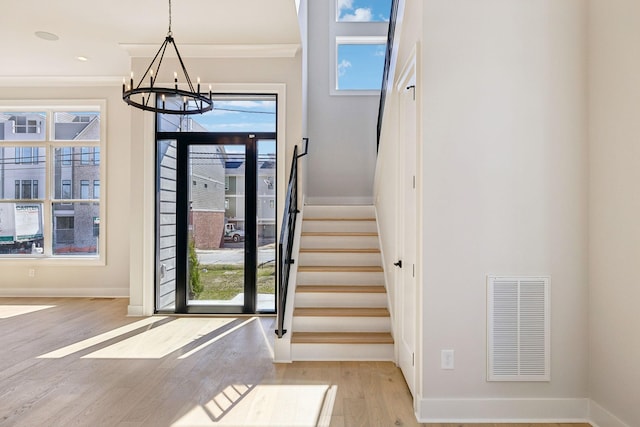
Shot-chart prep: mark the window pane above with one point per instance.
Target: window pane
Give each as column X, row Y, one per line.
column 96, row 189
column 21, row 228
column 84, row 189
column 248, row 114
column 73, row 172
column 363, row 10
column 74, row 228
column 360, row 66
column 76, row 126
column 17, row 177
column 22, row 126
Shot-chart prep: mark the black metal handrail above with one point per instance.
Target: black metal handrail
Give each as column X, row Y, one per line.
column 393, row 16
column 287, row 234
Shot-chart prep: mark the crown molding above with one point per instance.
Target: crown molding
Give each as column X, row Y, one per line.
column 218, row 50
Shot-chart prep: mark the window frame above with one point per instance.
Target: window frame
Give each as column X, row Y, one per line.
column 356, row 32
column 46, row 191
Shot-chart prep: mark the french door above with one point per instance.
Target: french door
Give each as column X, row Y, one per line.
column 215, row 222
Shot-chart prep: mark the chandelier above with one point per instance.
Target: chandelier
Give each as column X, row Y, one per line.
column 167, row 100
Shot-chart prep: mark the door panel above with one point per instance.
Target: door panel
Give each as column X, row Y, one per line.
column 407, row 294
column 216, row 225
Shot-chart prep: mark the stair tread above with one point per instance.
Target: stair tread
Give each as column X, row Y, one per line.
column 340, row 233
column 341, row 250
column 342, row 337
column 341, row 311
column 337, row 219
column 340, row 268
column 371, row 289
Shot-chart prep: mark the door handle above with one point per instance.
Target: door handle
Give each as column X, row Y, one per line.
column 398, row 264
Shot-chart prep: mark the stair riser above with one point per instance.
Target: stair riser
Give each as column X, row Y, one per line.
column 337, row 278
column 339, row 242
column 340, row 300
column 339, row 259
column 338, row 352
column 339, row 226
column 356, row 211
column 341, row 324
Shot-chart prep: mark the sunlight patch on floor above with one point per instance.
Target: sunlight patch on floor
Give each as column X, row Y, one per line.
column 162, row 340
column 261, row 405
column 98, row 339
column 7, row 311
column 217, row 337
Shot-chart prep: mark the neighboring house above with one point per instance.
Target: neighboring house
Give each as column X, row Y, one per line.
column 75, row 176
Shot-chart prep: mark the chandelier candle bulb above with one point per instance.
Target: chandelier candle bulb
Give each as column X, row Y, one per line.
column 163, row 100
column 175, row 78
column 151, row 76
column 199, row 86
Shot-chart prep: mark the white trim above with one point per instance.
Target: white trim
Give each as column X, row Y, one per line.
column 218, row 50
column 600, row 417
column 355, row 200
column 65, row 292
column 503, row 410
column 135, row 311
column 58, row 81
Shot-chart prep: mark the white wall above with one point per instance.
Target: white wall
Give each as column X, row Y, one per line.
column 504, row 190
column 342, row 129
column 72, row 278
column 614, row 207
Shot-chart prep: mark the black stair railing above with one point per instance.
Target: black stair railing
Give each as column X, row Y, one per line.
column 287, row 234
column 393, row 16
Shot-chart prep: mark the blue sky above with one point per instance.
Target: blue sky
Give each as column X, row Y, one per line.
column 360, row 66
column 240, row 116
column 363, row 10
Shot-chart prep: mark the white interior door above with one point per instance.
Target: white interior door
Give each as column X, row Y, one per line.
column 407, row 292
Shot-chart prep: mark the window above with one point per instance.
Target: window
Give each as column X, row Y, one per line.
column 84, row 189
column 66, row 154
column 96, row 189
column 84, row 155
column 357, row 56
column 26, row 125
column 66, row 189
column 64, row 230
column 50, row 180
column 26, row 189
column 360, row 63
column 363, row 10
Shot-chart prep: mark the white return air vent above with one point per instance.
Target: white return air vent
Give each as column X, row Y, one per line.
column 518, row 328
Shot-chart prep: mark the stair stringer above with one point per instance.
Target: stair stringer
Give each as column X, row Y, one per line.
column 282, row 346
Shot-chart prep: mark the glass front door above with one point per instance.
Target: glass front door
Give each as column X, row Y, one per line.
column 216, row 224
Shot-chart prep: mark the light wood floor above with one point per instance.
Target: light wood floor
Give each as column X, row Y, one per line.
column 82, row 362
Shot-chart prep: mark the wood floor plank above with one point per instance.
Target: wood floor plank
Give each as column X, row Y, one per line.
column 161, row 390
column 342, row 338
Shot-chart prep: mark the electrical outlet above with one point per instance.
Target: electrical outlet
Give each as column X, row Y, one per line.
column 446, row 359
column 31, row 272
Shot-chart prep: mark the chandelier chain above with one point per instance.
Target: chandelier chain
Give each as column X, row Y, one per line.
column 169, row 33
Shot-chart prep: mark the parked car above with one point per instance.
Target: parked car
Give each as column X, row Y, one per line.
column 232, row 233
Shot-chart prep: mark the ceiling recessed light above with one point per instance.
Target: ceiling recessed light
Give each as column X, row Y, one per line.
column 82, row 58
column 46, row 36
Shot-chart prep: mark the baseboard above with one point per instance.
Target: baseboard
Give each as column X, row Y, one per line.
column 502, row 410
column 65, row 292
column 135, row 310
column 600, row 417
column 340, row 201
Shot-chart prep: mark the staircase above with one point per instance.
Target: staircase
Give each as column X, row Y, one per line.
column 340, row 308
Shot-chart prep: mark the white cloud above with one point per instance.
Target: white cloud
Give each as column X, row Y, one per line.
column 359, row 15
column 343, row 67
column 344, row 5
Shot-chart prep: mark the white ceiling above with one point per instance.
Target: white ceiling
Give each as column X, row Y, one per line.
column 99, row 30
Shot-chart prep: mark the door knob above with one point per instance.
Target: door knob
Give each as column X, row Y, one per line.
column 398, row 264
